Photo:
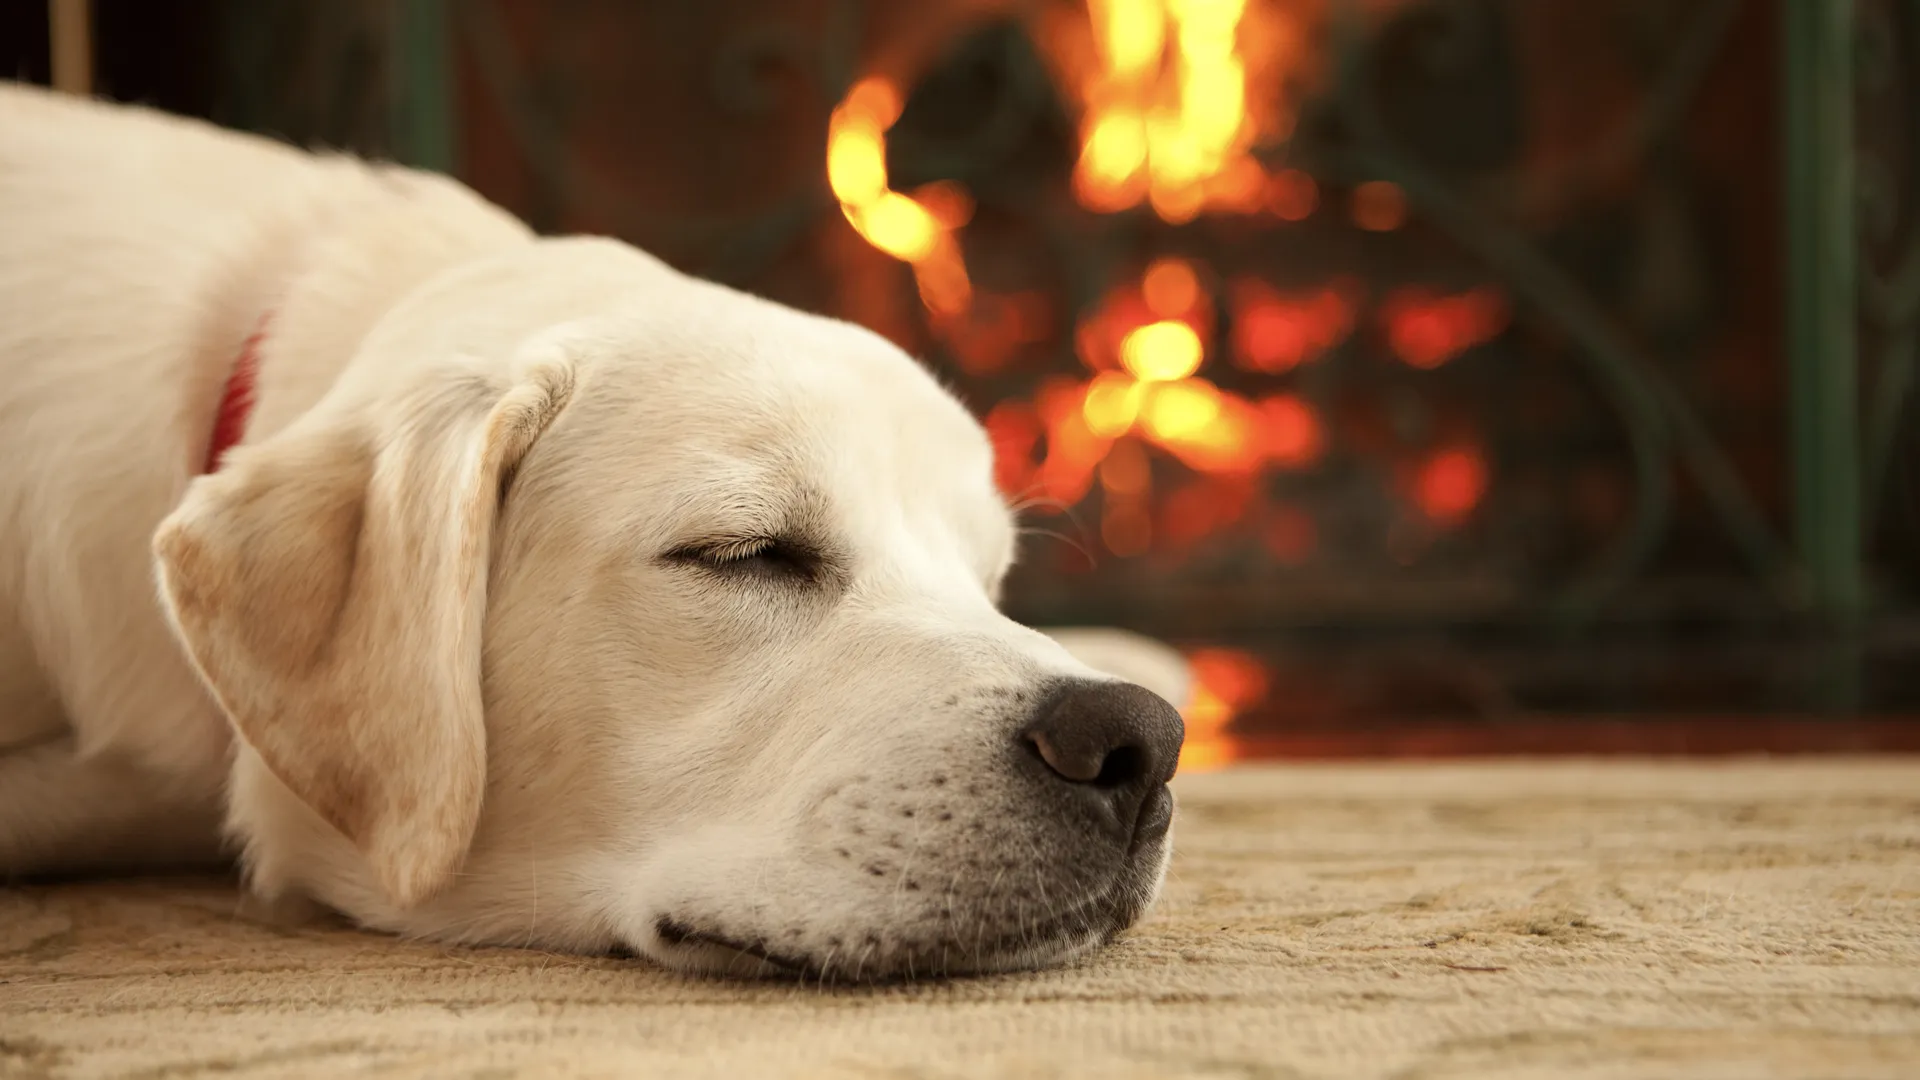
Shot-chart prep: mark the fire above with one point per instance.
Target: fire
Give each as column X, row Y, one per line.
column 1450, row 484
column 1180, row 103
column 1292, row 428
column 1146, row 392
column 1167, row 118
column 1290, row 535
column 906, row 228
column 1171, row 288
column 1426, row 330
column 1226, row 682
column 1161, row 352
column 1275, row 333
column 1379, row 206
column 1292, row 195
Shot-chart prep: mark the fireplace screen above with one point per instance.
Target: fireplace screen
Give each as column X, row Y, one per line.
column 1441, row 374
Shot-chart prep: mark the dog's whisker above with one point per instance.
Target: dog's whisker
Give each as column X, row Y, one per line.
column 1085, row 550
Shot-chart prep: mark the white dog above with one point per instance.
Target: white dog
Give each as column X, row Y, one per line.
column 516, row 590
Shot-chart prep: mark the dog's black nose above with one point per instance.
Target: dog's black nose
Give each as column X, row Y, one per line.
column 1114, row 744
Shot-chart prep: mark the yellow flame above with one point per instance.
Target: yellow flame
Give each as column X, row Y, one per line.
column 1167, row 113
column 1161, row 351
column 857, row 164
column 1180, row 410
column 1132, row 34
column 1112, row 404
column 1115, row 153
column 896, row 224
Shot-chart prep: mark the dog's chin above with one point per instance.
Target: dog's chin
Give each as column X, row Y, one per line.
column 691, row 942
column 707, row 953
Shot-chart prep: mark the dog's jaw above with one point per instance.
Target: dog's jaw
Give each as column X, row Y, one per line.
column 698, row 945
column 986, row 885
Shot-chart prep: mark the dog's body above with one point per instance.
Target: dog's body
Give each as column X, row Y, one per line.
column 551, row 596
column 137, row 253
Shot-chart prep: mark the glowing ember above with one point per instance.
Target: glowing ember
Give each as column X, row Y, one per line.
column 985, row 337
column 1292, row 431
column 1379, row 206
column 1126, row 472
column 1171, row 288
column 1014, row 428
column 1290, row 535
column 1292, row 195
column 1450, row 484
column 1427, row 331
column 1275, row 333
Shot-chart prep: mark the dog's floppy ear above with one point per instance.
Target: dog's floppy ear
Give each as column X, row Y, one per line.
column 330, row 585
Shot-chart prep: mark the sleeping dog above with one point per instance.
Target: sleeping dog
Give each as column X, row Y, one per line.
column 500, row 589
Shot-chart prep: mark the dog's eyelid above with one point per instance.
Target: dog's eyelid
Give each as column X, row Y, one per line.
column 722, row 549
column 788, row 556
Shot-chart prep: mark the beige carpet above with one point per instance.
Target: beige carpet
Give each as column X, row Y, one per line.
column 1470, row 921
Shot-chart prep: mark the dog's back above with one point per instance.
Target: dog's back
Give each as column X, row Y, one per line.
column 138, row 251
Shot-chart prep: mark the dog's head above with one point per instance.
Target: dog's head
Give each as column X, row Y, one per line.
column 597, row 607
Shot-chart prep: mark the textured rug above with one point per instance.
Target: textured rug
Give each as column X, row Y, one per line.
column 1409, row 921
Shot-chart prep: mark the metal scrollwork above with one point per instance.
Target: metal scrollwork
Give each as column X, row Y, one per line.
column 1657, row 419
column 1889, row 63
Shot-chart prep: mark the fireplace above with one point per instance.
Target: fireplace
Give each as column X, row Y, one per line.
column 1440, row 374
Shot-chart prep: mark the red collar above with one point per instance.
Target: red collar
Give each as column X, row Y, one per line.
column 236, row 401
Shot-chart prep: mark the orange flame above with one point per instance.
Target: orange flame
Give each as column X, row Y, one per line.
column 1275, row 333
column 1146, row 347
column 910, row 230
column 1450, row 484
column 1379, row 206
column 1426, row 331
column 1226, row 682
column 1175, row 97
column 1171, row 288
column 1167, row 117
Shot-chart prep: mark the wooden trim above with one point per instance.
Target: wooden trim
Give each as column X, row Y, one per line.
column 1657, row 737
column 71, row 33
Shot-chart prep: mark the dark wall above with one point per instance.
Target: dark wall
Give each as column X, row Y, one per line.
column 157, row 52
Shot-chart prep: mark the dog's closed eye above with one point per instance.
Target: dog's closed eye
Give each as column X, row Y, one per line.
column 769, row 556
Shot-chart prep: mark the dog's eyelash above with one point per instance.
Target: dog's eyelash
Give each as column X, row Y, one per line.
column 733, row 550
column 761, row 552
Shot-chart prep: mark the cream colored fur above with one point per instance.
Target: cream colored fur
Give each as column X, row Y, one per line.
column 430, row 642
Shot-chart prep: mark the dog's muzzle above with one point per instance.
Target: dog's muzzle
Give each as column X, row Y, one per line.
column 1113, row 746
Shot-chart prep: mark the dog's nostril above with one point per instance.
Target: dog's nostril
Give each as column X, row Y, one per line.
column 1080, row 767
column 1105, row 769
column 1122, row 766
column 1107, row 735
